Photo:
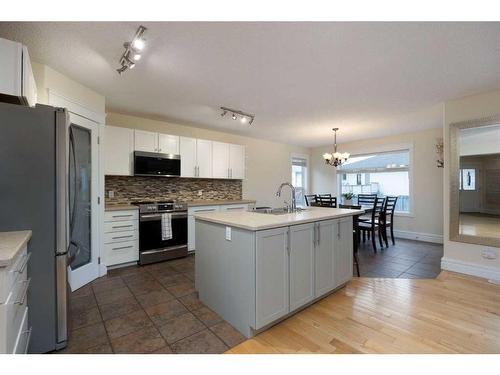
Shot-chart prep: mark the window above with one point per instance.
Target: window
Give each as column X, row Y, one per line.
column 299, row 178
column 384, row 174
column 467, row 179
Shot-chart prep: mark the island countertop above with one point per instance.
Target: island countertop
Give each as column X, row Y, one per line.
column 10, row 245
column 255, row 221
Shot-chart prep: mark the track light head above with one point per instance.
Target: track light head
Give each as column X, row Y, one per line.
column 234, row 117
column 224, row 112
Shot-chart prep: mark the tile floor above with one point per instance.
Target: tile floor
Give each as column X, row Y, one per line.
column 149, row 309
column 407, row 259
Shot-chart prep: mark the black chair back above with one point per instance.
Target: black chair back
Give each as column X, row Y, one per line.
column 311, row 199
column 378, row 209
column 390, row 207
column 327, row 201
column 367, row 199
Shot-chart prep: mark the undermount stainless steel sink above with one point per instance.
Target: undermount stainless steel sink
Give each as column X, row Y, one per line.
column 276, row 211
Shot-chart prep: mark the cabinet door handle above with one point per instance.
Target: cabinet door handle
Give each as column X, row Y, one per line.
column 127, row 215
column 122, row 247
column 24, row 264
column 288, row 247
column 319, row 234
column 118, row 237
column 338, row 230
column 122, row 226
column 25, row 292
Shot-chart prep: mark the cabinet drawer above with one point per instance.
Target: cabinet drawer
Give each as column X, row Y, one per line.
column 121, row 252
column 23, row 336
column 12, row 313
column 195, row 210
column 112, row 237
column 9, row 275
column 110, row 216
column 234, row 207
column 120, row 226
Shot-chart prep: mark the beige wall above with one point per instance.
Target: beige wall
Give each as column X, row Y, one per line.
column 267, row 163
column 469, row 108
column 47, row 78
column 427, row 185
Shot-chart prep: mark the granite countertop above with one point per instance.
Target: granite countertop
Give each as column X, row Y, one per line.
column 10, row 245
column 120, row 207
column 218, row 202
column 258, row 221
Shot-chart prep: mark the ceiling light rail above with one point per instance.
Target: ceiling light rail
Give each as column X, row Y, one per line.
column 133, row 50
column 235, row 114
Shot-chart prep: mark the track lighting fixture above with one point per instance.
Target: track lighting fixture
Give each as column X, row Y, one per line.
column 244, row 117
column 132, row 49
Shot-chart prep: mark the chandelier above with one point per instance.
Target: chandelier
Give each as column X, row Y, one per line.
column 336, row 158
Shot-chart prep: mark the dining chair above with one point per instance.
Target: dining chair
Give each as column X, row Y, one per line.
column 387, row 218
column 311, row 199
column 327, row 201
column 355, row 235
column 373, row 226
column 366, row 200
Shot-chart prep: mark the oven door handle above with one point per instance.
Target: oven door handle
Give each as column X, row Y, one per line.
column 152, row 217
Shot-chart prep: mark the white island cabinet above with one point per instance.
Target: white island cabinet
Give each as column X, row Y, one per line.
column 255, row 269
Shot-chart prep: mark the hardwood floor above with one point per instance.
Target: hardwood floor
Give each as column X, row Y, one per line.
column 451, row 314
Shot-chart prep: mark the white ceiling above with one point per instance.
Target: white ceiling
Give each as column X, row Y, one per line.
column 300, row 79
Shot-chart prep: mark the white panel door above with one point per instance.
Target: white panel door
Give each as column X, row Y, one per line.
column 83, row 252
column 301, row 265
column 168, row 144
column 272, row 276
column 237, row 161
column 324, row 256
column 343, row 251
column 187, row 150
column 203, row 158
column 145, row 141
column 220, row 160
column 118, row 150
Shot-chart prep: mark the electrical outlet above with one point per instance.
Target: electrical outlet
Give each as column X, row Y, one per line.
column 111, row 194
column 200, row 193
column 228, row 233
column 489, row 254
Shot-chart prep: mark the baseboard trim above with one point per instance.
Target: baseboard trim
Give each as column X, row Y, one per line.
column 478, row 270
column 426, row 237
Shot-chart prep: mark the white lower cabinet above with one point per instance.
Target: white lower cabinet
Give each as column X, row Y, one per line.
column 14, row 330
column 324, row 256
column 271, row 276
column 121, row 237
column 297, row 264
column 343, row 251
column 301, row 252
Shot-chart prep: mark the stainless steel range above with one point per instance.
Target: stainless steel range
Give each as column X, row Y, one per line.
column 163, row 231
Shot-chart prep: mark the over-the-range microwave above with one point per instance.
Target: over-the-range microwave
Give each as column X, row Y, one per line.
column 155, row 164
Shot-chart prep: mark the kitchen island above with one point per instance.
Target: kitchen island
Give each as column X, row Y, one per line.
column 255, row 269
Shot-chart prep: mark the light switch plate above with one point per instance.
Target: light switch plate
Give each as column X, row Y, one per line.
column 111, row 194
column 228, row 233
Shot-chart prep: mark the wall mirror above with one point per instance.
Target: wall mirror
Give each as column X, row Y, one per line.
column 475, row 182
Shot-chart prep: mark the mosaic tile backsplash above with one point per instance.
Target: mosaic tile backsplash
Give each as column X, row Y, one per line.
column 128, row 189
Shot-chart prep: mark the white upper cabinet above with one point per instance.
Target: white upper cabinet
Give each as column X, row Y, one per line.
column 228, row 160
column 237, row 162
column 168, row 144
column 156, row 142
column 146, row 141
column 187, row 150
column 118, row 151
column 196, row 157
column 203, row 158
column 16, row 76
column 220, row 160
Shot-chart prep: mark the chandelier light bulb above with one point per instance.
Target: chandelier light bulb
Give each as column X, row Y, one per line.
column 243, row 120
column 234, row 117
column 139, row 44
column 137, row 56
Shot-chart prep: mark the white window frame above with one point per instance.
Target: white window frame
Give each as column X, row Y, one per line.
column 308, row 166
column 391, row 148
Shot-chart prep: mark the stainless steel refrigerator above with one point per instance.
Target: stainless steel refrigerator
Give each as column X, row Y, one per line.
column 35, row 172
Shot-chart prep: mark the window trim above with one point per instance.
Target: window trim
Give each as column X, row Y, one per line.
column 308, row 168
column 411, row 170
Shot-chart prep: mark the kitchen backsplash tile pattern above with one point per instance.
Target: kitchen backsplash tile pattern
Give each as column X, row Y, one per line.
column 128, row 189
